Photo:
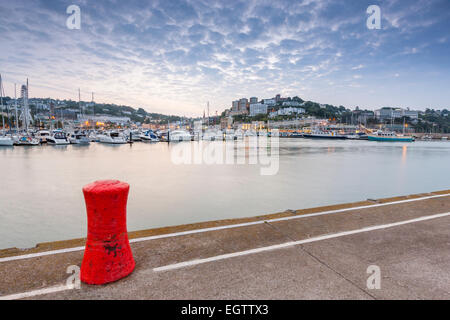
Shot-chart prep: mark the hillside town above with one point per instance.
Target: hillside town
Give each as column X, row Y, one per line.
column 244, row 113
column 290, row 112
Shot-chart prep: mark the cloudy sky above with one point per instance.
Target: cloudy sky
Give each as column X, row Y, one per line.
column 172, row 56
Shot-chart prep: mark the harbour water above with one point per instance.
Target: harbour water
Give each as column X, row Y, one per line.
column 41, row 198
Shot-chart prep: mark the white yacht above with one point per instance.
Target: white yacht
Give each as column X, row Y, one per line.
column 212, row 135
column 93, row 136
column 149, row 136
column 58, row 137
column 42, row 135
column 179, row 135
column 229, row 135
column 238, row 134
column 112, row 137
column 135, row 135
column 6, row 141
column 79, row 138
column 26, row 140
column 250, row 133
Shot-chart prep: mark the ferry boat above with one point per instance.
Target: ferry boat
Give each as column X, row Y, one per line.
column 320, row 134
column 389, row 136
column 357, row 136
column 295, row 134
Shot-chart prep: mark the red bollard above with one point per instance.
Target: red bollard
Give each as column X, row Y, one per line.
column 108, row 255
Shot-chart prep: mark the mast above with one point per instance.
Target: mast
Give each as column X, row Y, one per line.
column 207, row 104
column 1, row 103
column 93, row 104
column 93, row 113
column 15, row 104
column 79, row 104
column 25, row 107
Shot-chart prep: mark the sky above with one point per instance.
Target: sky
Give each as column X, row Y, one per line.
column 172, row 56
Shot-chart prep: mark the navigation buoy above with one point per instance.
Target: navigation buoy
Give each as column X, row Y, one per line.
column 107, row 256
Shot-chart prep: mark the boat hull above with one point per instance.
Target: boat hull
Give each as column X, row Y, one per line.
column 391, row 139
column 6, row 142
column 320, row 136
column 58, row 142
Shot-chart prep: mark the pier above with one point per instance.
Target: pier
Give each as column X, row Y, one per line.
column 317, row 253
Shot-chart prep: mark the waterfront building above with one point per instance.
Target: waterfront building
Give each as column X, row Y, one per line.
column 269, row 102
column 253, row 100
column 243, row 104
column 286, row 112
column 226, row 122
column 235, row 105
column 258, row 108
column 104, row 119
column 292, row 103
column 387, row 113
column 277, row 97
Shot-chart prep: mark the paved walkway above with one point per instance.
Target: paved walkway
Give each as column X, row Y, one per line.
column 319, row 253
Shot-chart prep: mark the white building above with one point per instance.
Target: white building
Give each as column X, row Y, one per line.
column 235, row 105
column 243, row 104
column 269, row 102
column 395, row 113
column 104, row 118
column 291, row 104
column 258, row 108
column 286, row 112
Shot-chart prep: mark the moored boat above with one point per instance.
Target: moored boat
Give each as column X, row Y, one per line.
column 112, row 137
column 149, row 136
column 6, row 141
column 179, row 135
column 79, row 138
column 26, row 140
column 320, row 134
column 58, row 138
column 389, row 136
column 42, row 135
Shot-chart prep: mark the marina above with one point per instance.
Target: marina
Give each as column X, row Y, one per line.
column 235, row 156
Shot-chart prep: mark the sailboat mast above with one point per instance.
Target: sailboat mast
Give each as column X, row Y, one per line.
column 1, row 102
column 25, row 107
column 15, row 104
column 79, row 104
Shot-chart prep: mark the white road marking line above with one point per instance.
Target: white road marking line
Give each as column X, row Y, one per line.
column 293, row 243
column 36, row 292
column 169, row 235
column 40, row 254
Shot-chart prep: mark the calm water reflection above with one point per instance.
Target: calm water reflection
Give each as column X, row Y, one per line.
column 41, row 198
